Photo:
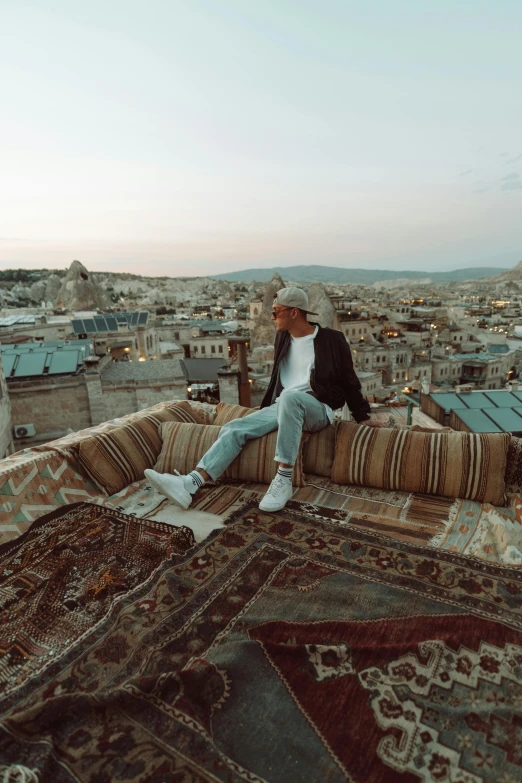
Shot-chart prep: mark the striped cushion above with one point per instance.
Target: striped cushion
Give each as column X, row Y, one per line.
column 226, row 412
column 120, row 456
column 185, row 444
column 318, row 453
column 450, row 464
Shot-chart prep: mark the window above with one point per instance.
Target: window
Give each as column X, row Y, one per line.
column 220, row 349
column 176, row 335
column 203, row 349
column 212, row 349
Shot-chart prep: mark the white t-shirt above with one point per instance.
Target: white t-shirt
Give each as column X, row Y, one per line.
column 298, row 363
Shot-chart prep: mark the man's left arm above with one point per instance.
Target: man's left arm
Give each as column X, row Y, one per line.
column 358, row 405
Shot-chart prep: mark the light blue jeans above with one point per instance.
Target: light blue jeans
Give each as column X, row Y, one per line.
column 290, row 415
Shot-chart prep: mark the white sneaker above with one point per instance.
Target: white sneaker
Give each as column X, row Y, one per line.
column 279, row 493
column 171, row 486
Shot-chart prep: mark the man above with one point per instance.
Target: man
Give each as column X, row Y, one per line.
column 312, row 376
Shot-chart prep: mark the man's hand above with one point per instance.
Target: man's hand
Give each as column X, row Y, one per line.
column 372, row 423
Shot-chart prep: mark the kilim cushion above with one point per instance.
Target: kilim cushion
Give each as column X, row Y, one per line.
column 116, row 458
column 451, row 464
column 226, row 412
column 318, row 452
column 185, row 444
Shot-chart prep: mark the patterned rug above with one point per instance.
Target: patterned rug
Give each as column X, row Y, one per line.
column 401, row 515
column 285, row 648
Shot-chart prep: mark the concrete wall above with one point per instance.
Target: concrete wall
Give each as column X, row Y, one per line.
column 68, row 404
column 136, row 395
column 54, row 407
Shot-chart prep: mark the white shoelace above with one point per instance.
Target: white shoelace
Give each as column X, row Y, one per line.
column 278, row 483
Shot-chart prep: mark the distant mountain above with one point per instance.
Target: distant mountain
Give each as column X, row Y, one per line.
column 334, row 274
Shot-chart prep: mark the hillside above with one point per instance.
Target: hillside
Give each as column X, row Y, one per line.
column 333, row 274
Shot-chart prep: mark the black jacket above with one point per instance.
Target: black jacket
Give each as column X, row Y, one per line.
column 333, row 379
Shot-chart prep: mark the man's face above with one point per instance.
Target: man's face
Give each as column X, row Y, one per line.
column 282, row 317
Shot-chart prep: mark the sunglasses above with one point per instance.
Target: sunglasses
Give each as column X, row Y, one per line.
column 277, row 313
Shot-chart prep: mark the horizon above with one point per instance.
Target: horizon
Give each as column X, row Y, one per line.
column 206, row 140
column 244, row 269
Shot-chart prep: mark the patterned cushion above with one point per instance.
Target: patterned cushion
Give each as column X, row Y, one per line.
column 116, row 458
column 185, row 444
column 205, row 412
column 39, row 486
column 318, row 453
column 226, row 412
column 451, row 464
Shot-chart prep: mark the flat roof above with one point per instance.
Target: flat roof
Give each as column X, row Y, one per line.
column 487, row 411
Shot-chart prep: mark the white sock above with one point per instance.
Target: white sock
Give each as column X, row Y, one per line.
column 193, row 481
column 285, row 473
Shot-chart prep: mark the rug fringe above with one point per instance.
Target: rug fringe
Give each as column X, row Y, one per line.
column 17, row 773
column 439, row 538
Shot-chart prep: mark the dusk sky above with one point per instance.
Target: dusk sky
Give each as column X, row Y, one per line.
column 193, row 137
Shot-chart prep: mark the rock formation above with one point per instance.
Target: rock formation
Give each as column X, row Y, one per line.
column 52, row 286
column 264, row 332
column 320, row 302
column 80, row 291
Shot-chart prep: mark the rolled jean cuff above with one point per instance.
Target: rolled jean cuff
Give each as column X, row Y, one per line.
column 285, row 461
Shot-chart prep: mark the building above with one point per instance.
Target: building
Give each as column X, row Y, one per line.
column 58, row 387
column 475, row 411
column 126, row 335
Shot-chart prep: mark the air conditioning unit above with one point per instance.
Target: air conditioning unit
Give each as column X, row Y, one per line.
column 23, row 430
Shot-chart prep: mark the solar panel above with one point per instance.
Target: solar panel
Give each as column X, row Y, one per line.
column 142, row 319
column 518, row 395
column 8, row 360
column 134, row 319
column 448, row 401
column 112, row 324
column 90, row 326
column 101, row 323
column 64, row 362
column 477, row 421
column 30, row 364
column 506, row 418
column 121, row 318
column 476, row 400
column 25, row 348
column 503, row 399
column 78, row 345
column 78, row 327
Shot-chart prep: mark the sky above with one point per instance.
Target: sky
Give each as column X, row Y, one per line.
column 194, row 137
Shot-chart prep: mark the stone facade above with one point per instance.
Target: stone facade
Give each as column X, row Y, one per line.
column 356, row 330
column 60, row 405
column 55, row 407
column 229, row 386
column 209, row 347
column 137, row 395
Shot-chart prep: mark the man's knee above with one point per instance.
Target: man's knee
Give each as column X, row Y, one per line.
column 238, row 431
column 291, row 400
